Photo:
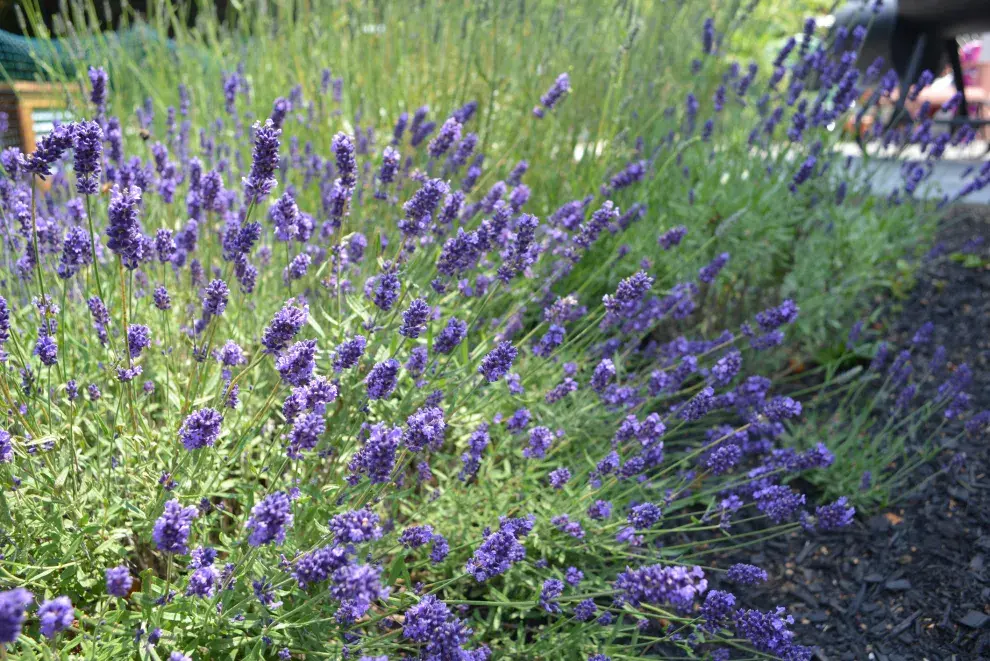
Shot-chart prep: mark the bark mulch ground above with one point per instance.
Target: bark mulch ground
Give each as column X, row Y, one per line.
column 912, row 582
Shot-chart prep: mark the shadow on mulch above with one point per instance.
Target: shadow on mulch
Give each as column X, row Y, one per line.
column 912, row 582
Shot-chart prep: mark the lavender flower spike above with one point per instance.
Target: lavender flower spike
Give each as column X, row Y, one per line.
column 261, row 181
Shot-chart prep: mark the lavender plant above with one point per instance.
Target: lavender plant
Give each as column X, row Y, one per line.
column 341, row 401
column 887, row 420
column 735, row 126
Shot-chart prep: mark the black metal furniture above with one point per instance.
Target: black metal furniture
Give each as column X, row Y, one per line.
column 915, row 35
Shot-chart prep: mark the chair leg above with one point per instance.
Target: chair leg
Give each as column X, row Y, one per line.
column 909, row 76
column 952, row 49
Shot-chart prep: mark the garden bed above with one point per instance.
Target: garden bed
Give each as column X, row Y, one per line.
column 910, row 582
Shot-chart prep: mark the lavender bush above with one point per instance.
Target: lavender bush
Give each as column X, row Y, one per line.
column 717, row 153
column 886, row 418
column 339, row 399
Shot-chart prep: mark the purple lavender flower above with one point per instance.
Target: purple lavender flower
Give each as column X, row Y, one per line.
column 779, row 503
column 123, row 229
column 349, row 353
column 356, row 587
column 600, row 510
column 422, row 133
column 414, row 318
column 286, row 218
column 465, row 148
column 203, row 582
column 500, row 550
column 171, row 533
column 420, row 207
column 439, row 549
column 296, row 364
column 699, row 405
column 585, row 610
column 803, row 173
column 708, row 36
column 270, row 519
column 138, row 339
column 978, row 422
column 717, row 609
column 46, row 349
column 603, row 375
column 561, row 390
column 449, row 133
column 672, row 237
column 382, row 378
column 441, row 635
column 400, row 128
column 540, row 440
column 231, row 354
column 471, row 460
column 355, row 527
column 386, row 290
column 631, row 174
column 200, row 429
column 306, row 433
column 88, row 157
column 49, row 149
column 415, row 536
column 723, row 458
column 424, row 428
column 98, row 81
column 4, row 321
column 76, row 252
column 552, row 339
column 768, row 632
column 559, row 477
column 451, row 336
column 726, row 368
column 746, row 574
column 709, row 272
column 165, row 246
column 924, row 334
column 644, row 516
column 519, row 421
column 261, row 181
column 773, row 318
column 318, row 565
column 498, row 362
column 12, row 605
column 781, row 408
column 390, row 164
column 55, row 615
column 835, row 515
column 552, row 589
column 343, row 150
column 628, row 294
column 285, row 325
column 465, row 112
column 161, row 298
column 656, row 584
column 280, row 108
column 560, row 87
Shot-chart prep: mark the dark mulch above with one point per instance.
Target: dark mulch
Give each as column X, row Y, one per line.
column 912, row 582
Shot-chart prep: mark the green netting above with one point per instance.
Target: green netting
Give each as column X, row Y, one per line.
column 23, row 58
column 16, row 55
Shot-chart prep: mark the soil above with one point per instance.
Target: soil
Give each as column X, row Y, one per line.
column 912, row 582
